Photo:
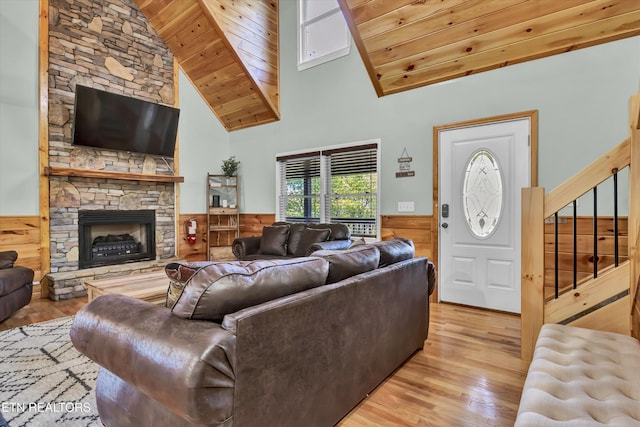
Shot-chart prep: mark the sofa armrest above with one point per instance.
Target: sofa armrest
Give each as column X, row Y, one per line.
column 243, row 246
column 330, row 245
column 186, row 365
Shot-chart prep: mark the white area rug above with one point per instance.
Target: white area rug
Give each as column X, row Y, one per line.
column 44, row 381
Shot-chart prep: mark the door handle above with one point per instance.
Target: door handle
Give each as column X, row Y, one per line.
column 445, row 225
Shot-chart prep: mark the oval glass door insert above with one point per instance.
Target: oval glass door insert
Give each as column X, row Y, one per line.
column 482, row 194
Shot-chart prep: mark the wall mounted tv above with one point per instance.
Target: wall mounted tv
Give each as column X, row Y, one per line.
column 117, row 122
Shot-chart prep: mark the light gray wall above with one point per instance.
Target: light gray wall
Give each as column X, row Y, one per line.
column 19, row 194
column 582, row 98
column 204, row 144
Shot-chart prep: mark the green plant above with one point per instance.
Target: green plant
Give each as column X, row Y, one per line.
column 230, row 166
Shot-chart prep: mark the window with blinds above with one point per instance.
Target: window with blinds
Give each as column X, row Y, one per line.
column 331, row 185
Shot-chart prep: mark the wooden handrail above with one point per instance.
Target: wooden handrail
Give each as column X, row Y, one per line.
column 617, row 158
column 634, row 108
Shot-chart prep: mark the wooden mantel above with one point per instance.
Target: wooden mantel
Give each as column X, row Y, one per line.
column 109, row 174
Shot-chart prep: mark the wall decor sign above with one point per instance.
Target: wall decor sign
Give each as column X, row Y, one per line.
column 404, row 163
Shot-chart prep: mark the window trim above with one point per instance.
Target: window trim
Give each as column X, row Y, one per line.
column 306, row 64
column 323, row 152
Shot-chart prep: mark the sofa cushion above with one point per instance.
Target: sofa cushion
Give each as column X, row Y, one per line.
column 394, row 250
column 178, row 274
column 295, row 235
column 7, row 258
column 349, row 262
column 338, row 231
column 226, row 287
column 309, row 237
column 274, row 240
column 12, row 279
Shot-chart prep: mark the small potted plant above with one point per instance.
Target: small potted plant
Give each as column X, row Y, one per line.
column 230, row 166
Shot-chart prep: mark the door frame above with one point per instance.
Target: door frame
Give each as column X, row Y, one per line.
column 532, row 115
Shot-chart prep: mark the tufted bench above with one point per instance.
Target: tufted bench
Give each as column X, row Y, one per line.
column 581, row 377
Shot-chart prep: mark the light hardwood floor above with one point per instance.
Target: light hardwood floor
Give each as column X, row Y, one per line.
column 468, row 374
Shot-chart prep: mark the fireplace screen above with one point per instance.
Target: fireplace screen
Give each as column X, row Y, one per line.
column 115, row 237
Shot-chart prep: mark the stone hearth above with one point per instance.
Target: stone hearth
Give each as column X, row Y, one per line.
column 70, row 284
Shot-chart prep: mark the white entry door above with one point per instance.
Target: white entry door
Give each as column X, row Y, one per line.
column 481, row 172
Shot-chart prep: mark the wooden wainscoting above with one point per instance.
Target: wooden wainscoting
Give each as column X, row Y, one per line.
column 197, row 251
column 414, row 227
column 22, row 234
column 251, row 224
column 584, row 228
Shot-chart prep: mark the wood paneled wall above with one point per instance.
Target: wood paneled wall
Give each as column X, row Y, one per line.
column 584, row 249
column 197, row 251
column 22, row 234
column 251, row 224
column 414, row 227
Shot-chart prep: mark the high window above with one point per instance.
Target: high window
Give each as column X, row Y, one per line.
column 323, row 34
column 336, row 184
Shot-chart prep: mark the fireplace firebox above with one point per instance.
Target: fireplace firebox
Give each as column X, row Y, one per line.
column 115, row 237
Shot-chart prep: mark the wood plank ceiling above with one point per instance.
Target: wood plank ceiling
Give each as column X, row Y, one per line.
column 229, row 51
column 407, row 44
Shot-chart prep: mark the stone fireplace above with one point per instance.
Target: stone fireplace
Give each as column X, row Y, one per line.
column 108, row 45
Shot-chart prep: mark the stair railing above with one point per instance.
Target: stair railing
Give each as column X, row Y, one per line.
column 536, row 207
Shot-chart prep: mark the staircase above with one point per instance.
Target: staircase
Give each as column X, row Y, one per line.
column 606, row 298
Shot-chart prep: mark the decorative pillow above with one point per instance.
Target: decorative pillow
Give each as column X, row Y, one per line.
column 226, row 287
column 394, row 250
column 295, row 234
column 7, row 258
column 178, row 275
column 274, row 240
column 349, row 262
column 309, row 237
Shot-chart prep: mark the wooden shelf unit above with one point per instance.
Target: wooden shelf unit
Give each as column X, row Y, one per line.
column 223, row 216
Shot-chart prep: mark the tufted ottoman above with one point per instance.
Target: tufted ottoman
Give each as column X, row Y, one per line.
column 582, row 377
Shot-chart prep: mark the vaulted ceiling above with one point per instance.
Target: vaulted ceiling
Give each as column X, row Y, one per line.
column 229, row 51
column 407, row 44
column 229, row 48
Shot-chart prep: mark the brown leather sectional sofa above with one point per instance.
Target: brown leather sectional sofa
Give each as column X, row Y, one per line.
column 315, row 336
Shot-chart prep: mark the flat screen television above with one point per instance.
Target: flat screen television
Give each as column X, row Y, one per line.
column 117, row 122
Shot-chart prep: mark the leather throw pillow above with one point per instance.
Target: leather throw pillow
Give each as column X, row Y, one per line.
column 295, row 234
column 274, row 240
column 309, row 237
